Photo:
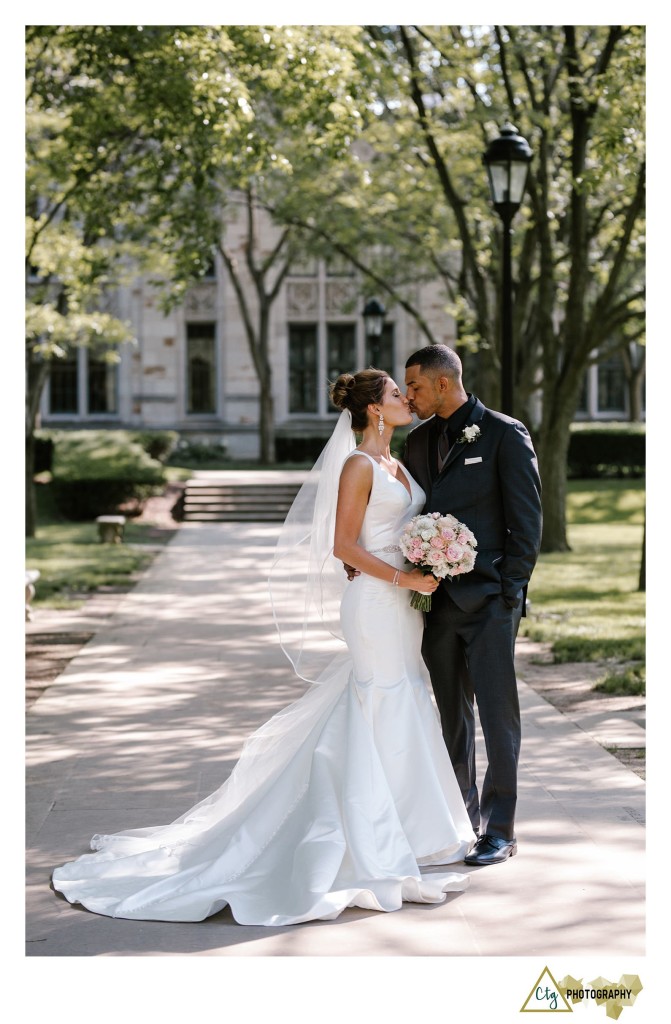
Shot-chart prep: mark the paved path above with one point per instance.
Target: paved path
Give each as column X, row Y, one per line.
column 150, row 716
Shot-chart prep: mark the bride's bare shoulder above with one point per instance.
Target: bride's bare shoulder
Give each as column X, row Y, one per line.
column 356, row 472
column 361, row 466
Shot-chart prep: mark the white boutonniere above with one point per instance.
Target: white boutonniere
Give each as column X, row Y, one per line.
column 469, row 434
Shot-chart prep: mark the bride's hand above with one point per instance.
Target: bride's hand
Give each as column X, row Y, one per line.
column 417, row 580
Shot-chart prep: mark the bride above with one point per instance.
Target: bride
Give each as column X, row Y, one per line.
column 341, row 798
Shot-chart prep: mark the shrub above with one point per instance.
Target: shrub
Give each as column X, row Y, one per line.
column 44, row 454
column 80, row 500
column 194, row 453
column 398, row 441
column 158, row 444
column 609, row 450
column 97, row 471
column 299, row 449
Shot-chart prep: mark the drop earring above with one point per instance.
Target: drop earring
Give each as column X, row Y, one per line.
column 380, row 425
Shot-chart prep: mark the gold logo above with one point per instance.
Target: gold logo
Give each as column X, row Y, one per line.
column 546, row 996
column 613, row 995
column 550, row 996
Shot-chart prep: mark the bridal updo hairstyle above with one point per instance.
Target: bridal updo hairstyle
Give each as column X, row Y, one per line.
column 356, row 391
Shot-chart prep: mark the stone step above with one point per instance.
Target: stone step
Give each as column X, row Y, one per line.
column 237, row 516
column 268, row 514
column 207, row 500
column 237, row 496
column 211, row 508
column 199, row 494
column 208, row 485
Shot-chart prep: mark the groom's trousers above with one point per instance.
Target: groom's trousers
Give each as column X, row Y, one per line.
column 471, row 659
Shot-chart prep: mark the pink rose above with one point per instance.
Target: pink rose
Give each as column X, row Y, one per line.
column 437, row 542
column 454, row 552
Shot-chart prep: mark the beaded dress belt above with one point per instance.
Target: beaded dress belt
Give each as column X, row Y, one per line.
column 389, row 547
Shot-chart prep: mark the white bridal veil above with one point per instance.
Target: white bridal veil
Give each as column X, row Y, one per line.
column 306, row 582
column 306, row 585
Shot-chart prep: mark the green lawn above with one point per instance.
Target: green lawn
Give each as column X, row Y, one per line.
column 585, row 601
column 72, row 562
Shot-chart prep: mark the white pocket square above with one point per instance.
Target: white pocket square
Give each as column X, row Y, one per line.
column 469, row 462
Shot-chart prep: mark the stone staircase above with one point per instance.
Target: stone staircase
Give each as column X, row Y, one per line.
column 263, row 496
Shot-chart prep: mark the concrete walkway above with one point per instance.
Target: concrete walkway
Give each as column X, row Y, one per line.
column 150, row 715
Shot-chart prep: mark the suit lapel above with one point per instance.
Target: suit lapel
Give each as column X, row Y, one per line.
column 451, row 456
column 458, row 447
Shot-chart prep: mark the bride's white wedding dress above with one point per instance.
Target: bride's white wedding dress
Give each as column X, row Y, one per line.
column 334, row 803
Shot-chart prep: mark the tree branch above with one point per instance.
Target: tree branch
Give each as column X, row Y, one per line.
column 475, row 95
column 636, row 206
column 522, row 66
column 232, row 267
column 455, row 202
column 368, row 272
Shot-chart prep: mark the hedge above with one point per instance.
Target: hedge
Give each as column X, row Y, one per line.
column 97, row 471
column 610, row 450
column 308, row 447
column 44, row 454
column 158, row 444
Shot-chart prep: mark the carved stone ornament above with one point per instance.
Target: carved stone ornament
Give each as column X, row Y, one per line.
column 201, row 299
column 341, row 296
column 302, row 298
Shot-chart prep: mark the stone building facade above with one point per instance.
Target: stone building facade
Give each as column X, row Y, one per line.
column 191, row 370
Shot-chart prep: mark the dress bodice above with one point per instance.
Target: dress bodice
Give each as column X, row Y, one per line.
column 390, row 506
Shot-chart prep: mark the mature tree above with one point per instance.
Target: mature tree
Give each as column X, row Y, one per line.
column 299, row 91
column 154, row 135
column 438, row 95
column 368, row 142
column 105, row 109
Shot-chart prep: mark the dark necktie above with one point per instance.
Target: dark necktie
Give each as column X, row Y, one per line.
column 443, row 447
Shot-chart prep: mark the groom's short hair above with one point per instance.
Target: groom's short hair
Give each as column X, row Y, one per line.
column 439, row 360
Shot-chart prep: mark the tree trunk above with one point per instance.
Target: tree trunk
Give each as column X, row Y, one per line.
column 553, row 466
column 641, row 575
column 266, row 422
column 635, row 383
column 36, row 373
column 265, row 376
column 31, row 501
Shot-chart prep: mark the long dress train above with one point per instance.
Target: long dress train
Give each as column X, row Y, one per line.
column 336, row 802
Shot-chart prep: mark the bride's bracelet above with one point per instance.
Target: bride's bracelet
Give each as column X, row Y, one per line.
column 396, row 578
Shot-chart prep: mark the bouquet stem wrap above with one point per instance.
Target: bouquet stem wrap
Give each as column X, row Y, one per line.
column 422, row 602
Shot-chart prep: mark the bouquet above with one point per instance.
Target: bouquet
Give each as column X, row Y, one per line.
column 439, row 545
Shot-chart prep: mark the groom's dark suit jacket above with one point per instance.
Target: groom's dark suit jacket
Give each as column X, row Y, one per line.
column 493, row 486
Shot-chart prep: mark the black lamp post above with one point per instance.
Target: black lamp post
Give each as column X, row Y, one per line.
column 373, row 317
column 507, row 160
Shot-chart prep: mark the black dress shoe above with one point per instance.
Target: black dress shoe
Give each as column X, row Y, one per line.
column 491, row 850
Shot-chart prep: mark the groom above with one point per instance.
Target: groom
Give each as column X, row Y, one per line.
column 480, row 466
